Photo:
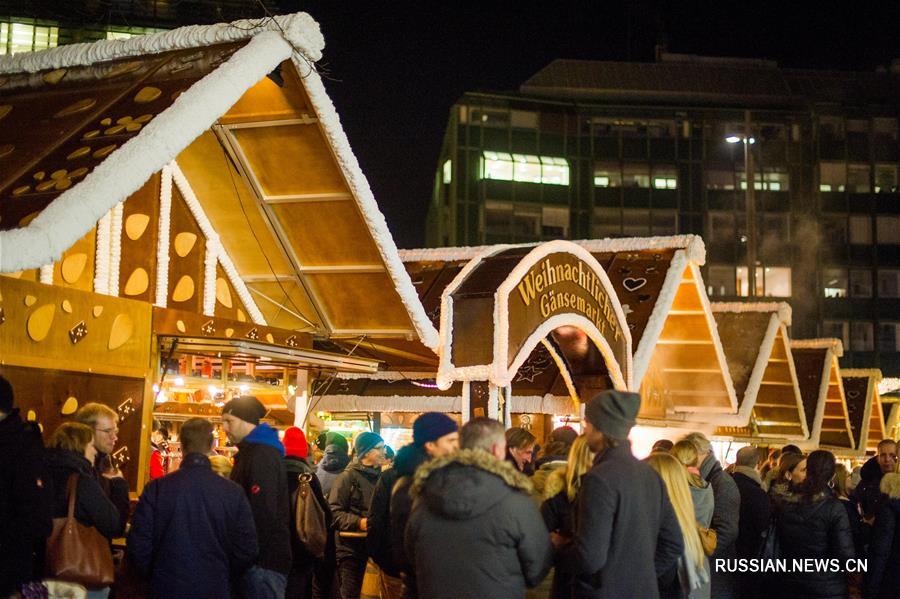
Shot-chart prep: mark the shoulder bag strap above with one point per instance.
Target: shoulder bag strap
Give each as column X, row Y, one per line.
column 71, row 493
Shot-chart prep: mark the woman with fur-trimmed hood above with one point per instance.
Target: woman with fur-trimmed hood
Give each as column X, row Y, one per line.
column 883, row 578
column 474, row 531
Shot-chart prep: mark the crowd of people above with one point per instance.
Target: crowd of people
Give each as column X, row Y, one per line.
column 460, row 512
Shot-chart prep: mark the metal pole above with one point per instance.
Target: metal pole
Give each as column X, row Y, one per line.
column 750, row 209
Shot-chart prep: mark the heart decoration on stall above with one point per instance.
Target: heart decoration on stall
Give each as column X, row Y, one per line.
column 634, row 283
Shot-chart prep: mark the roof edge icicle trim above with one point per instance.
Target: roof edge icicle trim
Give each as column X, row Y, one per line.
column 67, row 218
column 781, row 308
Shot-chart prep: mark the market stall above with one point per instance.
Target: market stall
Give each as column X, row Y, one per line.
column 822, row 389
column 864, row 408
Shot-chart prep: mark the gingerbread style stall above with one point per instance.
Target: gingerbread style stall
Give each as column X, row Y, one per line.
column 864, row 408
column 824, row 403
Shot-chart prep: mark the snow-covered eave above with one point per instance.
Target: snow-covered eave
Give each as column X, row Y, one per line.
column 692, row 244
column 888, row 385
column 861, row 373
column 300, row 29
column 782, row 309
column 74, row 212
column 359, row 187
column 835, row 345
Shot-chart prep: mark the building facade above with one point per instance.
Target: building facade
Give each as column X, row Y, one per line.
column 590, row 149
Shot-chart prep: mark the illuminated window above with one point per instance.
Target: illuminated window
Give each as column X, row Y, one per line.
column 607, row 175
column 832, row 176
column 124, row 33
column 771, row 281
column 664, row 178
column 448, row 171
column 769, row 180
column 835, row 282
column 525, row 168
column 27, row 37
column 885, row 178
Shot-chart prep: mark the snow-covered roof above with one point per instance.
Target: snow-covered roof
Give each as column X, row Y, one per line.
column 835, row 345
column 889, row 385
column 123, row 170
column 862, row 373
column 781, row 308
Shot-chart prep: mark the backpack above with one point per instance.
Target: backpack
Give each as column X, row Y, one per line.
column 309, row 518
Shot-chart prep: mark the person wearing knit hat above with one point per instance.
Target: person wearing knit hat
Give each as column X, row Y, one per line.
column 259, row 470
column 300, row 578
column 627, row 529
column 436, row 433
column 332, row 438
column 349, row 500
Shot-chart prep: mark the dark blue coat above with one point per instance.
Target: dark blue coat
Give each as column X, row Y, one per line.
column 191, row 532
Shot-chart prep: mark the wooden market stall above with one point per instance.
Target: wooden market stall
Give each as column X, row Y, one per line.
column 824, row 402
column 148, row 232
column 864, row 408
column 757, row 346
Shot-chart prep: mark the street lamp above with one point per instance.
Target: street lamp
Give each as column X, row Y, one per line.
column 750, row 202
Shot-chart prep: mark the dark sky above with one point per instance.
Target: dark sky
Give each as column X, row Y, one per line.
column 393, row 69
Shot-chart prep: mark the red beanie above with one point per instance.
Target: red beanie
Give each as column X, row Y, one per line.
column 295, row 443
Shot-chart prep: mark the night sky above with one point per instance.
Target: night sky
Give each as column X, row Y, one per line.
column 393, row 69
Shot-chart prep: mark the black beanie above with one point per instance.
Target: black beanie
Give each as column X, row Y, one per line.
column 246, row 407
column 431, row 426
column 613, row 413
column 6, row 396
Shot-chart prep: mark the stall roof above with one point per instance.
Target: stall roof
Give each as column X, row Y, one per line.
column 86, row 125
column 864, row 407
column 658, row 283
column 824, row 404
column 757, row 346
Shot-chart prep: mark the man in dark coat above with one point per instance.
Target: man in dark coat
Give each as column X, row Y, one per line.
column 259, row 470
column 626, row 532
column 349, row 500
column 474, row 532
column 755, row 515
column 726, row 515
column 25, row 501
column 105, row 423
column 193, row 531
column 883, row 576
column 868, row 494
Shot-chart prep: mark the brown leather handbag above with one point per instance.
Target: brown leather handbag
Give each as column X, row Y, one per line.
column 708, row 539
column 78, row 553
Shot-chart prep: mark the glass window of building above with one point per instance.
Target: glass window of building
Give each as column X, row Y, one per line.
column 497, row 217
column 27, row 37
column 776, row 179
column 860, row 230
column 554, row 170
column 862, row 336
column 888, row 282
column 526, row 168
column 665, row 177
column 774, row 229
column 743, row 282
column 664, row 222
column 608, row 175
column 635, row 223
column 860, row 282
column 720, row 180
column 885, row 126
column 721, row 281
column 721, row 227
column 834, row 229
column 832, row 176
column 776, row 281
column 885, row 178
column 889, row 336
column 524, row 119
column 831, row 127
column 447, row 172
column 497, row 165
column 526, row 221
column 489, row 117
column 887, row 229
column 636, row 175
column 554, row 221
column 607, row 223
column 835, row 282
column 837, row 329
column 858, row 178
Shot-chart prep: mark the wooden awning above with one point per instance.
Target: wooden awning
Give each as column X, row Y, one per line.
column 759, row 358
column 824, row 404
column 864, row 407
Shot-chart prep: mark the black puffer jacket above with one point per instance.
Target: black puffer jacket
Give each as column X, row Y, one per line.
column 25, row 501
column 349, row 500
column 474, row 532
column 883, row 577
column 92, row 506
column 867, row 493
column 331, row 465
column 816, row 528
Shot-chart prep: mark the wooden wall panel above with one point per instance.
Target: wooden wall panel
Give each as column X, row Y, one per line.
column 140, row 232
column 187, row 269
column 75, row 269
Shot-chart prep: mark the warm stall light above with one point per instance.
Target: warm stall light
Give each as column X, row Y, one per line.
column 155, row 388
column 161, row 396
column 179, row 382
column 244, row 388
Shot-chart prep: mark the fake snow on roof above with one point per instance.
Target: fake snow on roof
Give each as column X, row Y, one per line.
column 861, row 373
column 272, row 41
column 888, row 385
column 783, row 309
column 836, row 345
column 692, row 244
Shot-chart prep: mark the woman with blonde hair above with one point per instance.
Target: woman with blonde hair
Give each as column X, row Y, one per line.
column 692, row 578
column 558, row 508
column 701, row 491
